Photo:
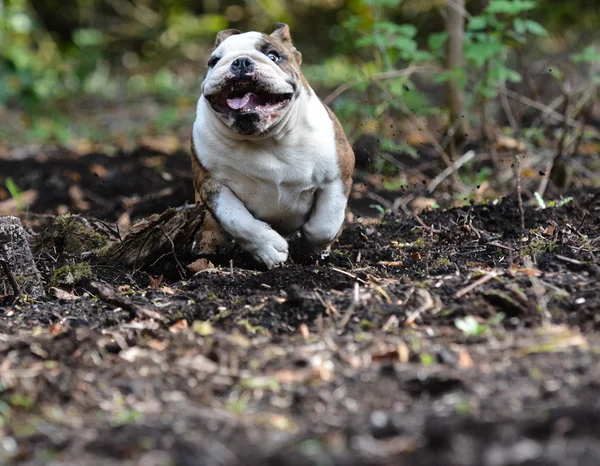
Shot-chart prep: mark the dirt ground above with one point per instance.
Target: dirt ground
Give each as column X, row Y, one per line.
column 446, row 338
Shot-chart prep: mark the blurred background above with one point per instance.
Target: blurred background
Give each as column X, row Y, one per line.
column 110, row 76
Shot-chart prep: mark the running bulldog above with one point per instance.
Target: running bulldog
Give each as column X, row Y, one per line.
column 268, row 157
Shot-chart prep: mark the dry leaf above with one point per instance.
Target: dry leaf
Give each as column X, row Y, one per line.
column 62, row 294
column 166, row 144
column 78, row 198
column 155, row 282
column 549, row 231
column 200, row 264
column 179, row 326
column 464, row 359
column 531, row 272
column 202, row 328
column 304, row 332
column 98, row 170
column 157, row 345
column 505, row 142
column 391, row 263
column 57, row 328
column 168, row 290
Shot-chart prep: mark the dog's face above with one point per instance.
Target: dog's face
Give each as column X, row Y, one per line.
column 253, row 79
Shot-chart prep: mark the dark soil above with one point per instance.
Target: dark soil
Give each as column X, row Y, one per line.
column 350, row 358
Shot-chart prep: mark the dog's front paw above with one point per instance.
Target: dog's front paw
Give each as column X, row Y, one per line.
column 319, row 234
column 269, row 247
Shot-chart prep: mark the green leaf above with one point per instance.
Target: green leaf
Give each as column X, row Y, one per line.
column 509, row 7
column 407, row 47
column 587, row 55
column 519, row 25
column 382, row 3
column 535, row 28
column 437, row 41
column 470, row 326
column 480, row 52
column 477, row 23
column 365, row 41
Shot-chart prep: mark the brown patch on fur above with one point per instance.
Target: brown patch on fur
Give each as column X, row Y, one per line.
column 224, row 34
column 211, row 237
column 280, row 40
column 344, row 152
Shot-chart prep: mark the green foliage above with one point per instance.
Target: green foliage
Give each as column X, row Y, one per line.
column 14, row 192
column 470, row 326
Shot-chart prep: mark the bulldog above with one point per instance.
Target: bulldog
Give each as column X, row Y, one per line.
column 268, row 157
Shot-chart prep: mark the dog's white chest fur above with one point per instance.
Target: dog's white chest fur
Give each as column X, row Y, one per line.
column 275, row 178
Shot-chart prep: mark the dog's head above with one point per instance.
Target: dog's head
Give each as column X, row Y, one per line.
column 253, row 79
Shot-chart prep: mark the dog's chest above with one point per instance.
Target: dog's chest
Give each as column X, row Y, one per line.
column 277, row 188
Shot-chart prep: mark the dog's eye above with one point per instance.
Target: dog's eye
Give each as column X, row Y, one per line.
column 274, row 56
column 213, row 61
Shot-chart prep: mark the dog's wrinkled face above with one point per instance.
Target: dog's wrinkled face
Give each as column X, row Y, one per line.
column 253, row 79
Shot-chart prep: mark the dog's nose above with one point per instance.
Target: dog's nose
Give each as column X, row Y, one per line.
column 242, row 66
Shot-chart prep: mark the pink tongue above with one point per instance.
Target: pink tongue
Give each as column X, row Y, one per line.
column 239, row 102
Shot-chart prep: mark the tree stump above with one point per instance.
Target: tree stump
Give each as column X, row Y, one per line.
column 18, row 273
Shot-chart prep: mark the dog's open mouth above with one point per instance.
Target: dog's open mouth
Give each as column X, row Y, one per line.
column 246, row 97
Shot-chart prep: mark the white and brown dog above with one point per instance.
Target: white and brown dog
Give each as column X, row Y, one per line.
column 269, row 158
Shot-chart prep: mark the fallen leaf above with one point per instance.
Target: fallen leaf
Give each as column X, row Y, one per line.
column 549, row 231
column 202, row 328
column 179, row 326
column 157, row 345
column 505, row 142
column 57, row 328
column 304, row 332
column 166, row 144
column 419, row 204
column 155, row 282
column 78, row 198
column 98, row 170
column 168, row 290
column 199, row 265
column 62, row 294
column 530, row 272
column 391, row 263
column 464, row 359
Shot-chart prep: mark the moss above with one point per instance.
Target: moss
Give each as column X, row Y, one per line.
column 441, row 262
column 71, row 274
column 76, row 237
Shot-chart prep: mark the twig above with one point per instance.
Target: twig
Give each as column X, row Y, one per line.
column 501, row 246
column 11, row 278
column 486, row 278
column 467, row 157
column 106, row 293
column 181, row 270
column 351, row 275
column 351, row 308
column 517, row 156
column 568, row 259
column 549, row 111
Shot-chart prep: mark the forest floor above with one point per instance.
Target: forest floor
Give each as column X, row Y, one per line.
column 445, row 338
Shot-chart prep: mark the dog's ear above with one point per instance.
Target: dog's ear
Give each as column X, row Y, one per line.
column 224, row 34
column 282, row 32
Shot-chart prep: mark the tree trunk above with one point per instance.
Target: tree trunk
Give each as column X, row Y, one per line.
column 455, row 23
